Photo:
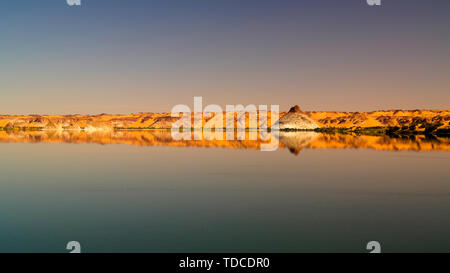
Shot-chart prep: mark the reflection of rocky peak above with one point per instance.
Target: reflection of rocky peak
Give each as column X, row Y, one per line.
column 296, row 120
column 295, row 141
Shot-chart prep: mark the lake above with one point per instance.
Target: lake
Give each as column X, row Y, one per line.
column 141, row 191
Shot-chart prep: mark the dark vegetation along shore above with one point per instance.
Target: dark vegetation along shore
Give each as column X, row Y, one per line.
column 390, row 131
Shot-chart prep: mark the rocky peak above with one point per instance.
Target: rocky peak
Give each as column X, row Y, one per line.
column 295, row 109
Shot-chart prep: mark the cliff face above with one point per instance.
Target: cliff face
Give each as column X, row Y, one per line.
column 418, row 120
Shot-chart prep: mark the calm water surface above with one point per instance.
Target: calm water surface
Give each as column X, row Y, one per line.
column 126, row 198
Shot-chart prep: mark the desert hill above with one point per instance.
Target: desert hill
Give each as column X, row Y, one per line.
column 413, row 120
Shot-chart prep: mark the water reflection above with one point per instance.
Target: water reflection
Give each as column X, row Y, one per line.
column 294, row 141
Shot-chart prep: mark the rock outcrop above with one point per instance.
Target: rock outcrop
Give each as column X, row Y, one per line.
column 295, row 119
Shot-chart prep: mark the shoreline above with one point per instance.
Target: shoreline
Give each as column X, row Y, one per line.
column 376, row 122
column 369, row 131
column 295, row 142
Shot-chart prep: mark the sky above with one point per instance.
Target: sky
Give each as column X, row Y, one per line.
column 131, row 56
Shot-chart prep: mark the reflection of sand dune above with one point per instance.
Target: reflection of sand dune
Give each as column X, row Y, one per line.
column 413, row 143
column 294, row 141
column 131, row 137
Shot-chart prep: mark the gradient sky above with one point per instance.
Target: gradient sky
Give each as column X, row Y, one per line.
column 120, row 56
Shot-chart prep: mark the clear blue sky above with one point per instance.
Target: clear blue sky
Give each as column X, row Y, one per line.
column 120, row 56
